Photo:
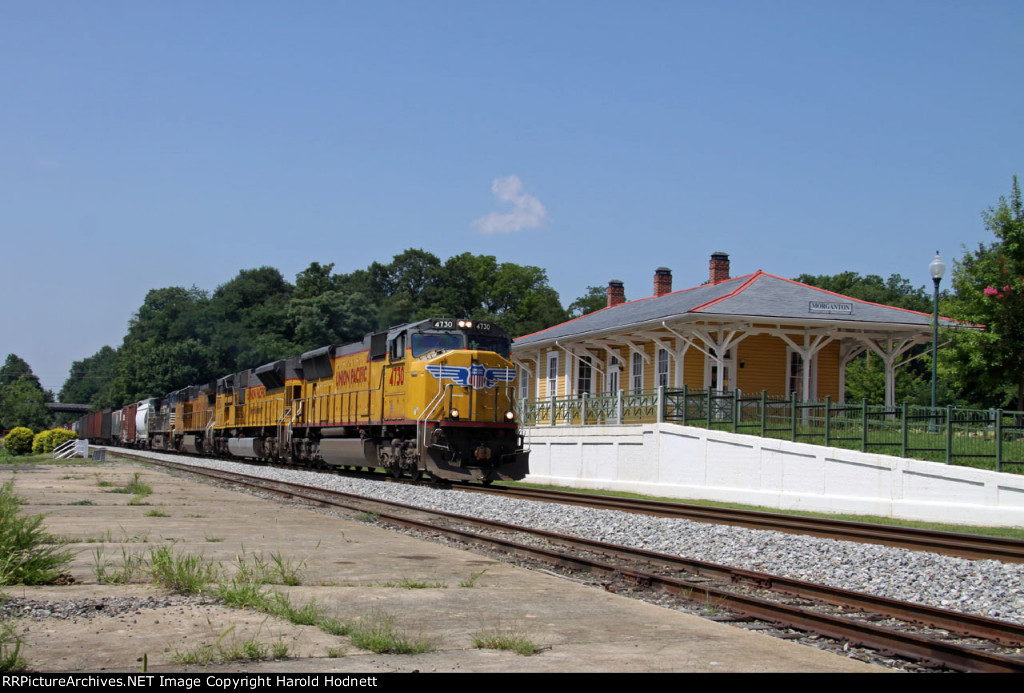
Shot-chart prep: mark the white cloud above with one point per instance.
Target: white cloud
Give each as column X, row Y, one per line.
column 527, row 212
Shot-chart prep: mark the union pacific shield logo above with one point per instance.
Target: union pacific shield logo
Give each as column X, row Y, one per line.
column 478, row 377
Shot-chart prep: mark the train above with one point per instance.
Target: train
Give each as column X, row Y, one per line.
column 434, row 397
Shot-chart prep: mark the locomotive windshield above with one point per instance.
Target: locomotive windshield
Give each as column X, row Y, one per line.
column 424, row 343
column 499, row 345
column 427, row 344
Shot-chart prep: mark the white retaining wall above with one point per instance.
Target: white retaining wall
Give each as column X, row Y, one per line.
column 695, row 463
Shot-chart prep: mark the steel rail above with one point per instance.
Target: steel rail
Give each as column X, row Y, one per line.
column 911, row 645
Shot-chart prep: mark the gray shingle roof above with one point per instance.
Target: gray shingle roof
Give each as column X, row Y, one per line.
column 759, row 295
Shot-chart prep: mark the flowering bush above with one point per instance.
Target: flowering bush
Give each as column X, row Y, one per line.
column 46, row 441
column 19, row 441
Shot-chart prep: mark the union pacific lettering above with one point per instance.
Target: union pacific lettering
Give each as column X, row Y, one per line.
column 351, row 376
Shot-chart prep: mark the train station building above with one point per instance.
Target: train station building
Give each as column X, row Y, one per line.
column 754, row 332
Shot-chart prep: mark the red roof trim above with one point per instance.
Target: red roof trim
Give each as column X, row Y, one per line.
column 753, row 278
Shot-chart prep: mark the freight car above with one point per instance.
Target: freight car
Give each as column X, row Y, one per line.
column 432, row 397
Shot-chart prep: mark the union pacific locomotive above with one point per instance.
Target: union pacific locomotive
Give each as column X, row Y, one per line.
column 435, row 397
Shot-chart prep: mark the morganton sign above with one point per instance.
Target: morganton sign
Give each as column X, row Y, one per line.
column 830, row 307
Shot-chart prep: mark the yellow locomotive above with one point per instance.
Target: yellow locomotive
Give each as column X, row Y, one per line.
column 435, row 396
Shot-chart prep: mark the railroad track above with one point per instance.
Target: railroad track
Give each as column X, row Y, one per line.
column 948, row 543
column 935, row 637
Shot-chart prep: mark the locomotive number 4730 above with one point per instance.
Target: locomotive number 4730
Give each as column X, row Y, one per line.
column 397, row 376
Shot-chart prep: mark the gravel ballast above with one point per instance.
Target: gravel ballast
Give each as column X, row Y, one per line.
column 986, row 588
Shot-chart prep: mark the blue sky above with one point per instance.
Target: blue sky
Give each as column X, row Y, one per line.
column 148, row 144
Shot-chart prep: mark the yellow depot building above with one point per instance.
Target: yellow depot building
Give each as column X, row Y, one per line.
column 758, row 332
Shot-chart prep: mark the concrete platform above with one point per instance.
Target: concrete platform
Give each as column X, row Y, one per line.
column 352, row 570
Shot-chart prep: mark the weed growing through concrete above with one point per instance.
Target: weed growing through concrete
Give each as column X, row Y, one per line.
column 285, row 571
column 244, row 595
column 499, row 638
column 250, row 650
column 336, row 652
column 376, row 632
column 157, row 512
column 10, row 648
column 410, row 584
column 82, row 502
column 135, row 487
column 308, row 615
column 253, row 567
column 471, row 581
column 132, row 565
column 183, row 573
column 28, row 554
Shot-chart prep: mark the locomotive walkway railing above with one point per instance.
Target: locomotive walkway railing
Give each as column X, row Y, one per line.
column 985, row 438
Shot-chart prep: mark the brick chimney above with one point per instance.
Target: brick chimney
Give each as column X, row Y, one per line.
column 662, row 281
column 616, row 292
column 719, row 267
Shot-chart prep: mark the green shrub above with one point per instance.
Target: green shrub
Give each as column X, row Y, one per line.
column 19, row 441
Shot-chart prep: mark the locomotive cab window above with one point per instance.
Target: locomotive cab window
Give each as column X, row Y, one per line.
column 426, row 344
column 398, row 347
column 499, row 345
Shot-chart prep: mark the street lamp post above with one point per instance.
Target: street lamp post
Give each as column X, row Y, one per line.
column 937, row 268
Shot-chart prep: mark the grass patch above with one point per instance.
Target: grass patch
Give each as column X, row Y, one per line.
column 214, row 540
column 138, row 500
column 511, row 639
column 410, row 584
column 336, row 652
column 184, row 573
column 376, row 632
column 82, row 502
column 157, row 512
column 367, row 517
column 28, row 554
column 135, row 487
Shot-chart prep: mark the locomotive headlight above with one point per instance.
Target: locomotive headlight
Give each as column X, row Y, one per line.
column 510, row 415
column 465, row 323
column 454, row 413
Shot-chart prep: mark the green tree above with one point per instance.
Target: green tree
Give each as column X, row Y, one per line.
column 988, row 364
column 89, row 379
column 593, row 300
column 314, row 281
column 23, row 403
column 22, row 398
